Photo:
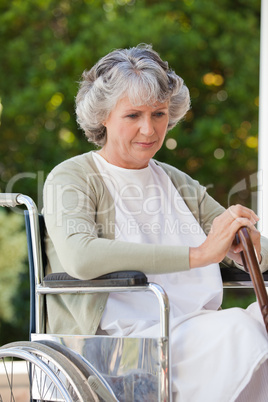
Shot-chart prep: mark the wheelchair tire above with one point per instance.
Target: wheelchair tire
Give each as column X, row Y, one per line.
column 49, row 375
column 96, row 380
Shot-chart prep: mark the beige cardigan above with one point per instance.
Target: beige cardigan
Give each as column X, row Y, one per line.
column 80, row 217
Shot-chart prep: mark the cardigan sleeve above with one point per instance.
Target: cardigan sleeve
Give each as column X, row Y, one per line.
column 72, row 201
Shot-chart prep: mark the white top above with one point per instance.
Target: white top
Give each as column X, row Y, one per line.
column 148, row 209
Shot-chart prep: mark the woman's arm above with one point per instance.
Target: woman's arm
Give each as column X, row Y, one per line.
column 78, row 216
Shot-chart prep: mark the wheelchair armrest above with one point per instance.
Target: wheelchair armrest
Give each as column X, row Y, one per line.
column 122, row 281
column 114, row 279
column 233, row 274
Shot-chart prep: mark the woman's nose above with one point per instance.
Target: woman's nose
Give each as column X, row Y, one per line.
column 147, row 127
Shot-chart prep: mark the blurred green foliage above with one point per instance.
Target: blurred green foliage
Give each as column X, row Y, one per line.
column 46, row 45
column 14, row 302
column 12, row 249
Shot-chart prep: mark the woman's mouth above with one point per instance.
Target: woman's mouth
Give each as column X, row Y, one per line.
column 145, row 144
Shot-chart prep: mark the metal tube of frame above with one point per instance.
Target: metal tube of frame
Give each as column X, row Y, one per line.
column 156, row 289
column 35, row 234
column 37, row 257
column 165, row 384
column 164, row 308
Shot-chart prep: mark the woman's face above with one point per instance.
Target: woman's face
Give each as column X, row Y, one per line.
column 134, row 133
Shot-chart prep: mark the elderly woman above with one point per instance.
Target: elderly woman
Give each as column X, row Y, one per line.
column 118, row 209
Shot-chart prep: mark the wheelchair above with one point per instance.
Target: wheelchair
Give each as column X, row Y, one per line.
column 97, row 368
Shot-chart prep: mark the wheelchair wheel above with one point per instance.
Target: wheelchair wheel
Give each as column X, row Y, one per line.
column 96, row 380
column 31, row 371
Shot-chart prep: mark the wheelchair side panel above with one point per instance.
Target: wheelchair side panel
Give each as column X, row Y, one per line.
column 135, row 368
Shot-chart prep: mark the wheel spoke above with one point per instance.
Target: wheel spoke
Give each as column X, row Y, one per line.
column 50, row 375
column 9, row 381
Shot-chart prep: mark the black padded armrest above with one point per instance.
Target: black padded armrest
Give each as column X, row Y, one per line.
column 234, row 275
column 122, row 278
column 237, row 275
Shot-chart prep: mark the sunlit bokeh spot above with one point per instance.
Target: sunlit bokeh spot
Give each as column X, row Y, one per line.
column 50, row 125
column 222, row 95
column 219, row 153
column 246, row 125
column 171, row 143
column 66, row 136
column 241, row 132
column 252, row 142
column 235, row 143
column 213, row 79
column 55, row 101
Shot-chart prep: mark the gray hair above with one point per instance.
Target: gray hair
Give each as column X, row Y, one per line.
column 138, row 73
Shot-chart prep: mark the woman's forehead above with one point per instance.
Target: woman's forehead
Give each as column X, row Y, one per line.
column 126, row 103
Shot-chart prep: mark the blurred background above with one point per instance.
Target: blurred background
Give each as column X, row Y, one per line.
column 45, row 46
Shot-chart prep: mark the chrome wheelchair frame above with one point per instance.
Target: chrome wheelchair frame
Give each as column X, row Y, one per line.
column 96, row 386
column 56, row 367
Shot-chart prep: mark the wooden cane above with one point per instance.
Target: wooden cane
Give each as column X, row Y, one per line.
column 251, row 265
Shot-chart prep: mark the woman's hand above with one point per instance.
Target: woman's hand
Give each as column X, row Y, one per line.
column 221, row 238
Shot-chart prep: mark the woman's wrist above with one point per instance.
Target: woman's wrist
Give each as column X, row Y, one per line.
column 197, row 258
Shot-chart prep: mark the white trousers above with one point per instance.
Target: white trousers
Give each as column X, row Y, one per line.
column 220, row 357
column 216, row 356
column 256, row 390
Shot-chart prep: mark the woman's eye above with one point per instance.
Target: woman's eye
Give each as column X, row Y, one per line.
column 132, row 116
column 159, row 114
